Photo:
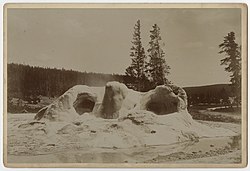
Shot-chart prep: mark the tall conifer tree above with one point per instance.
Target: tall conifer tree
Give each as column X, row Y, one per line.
column 232, row 61
column 158, row 68
column 137, row 68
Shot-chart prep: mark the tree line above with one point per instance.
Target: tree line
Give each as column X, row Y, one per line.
column 26, row 81
column 211, row 94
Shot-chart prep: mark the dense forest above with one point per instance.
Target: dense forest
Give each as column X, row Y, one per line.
column 25, row 81
column 217, row 94
column 28, row 82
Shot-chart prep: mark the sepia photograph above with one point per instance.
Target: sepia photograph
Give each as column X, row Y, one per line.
column 125, row 85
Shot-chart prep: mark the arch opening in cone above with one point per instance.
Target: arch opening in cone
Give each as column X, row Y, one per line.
column 84, row 103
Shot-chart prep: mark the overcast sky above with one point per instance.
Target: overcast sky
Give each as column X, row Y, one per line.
column 99, row 40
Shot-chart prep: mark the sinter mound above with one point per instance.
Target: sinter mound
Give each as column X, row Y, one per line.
column 115, row 116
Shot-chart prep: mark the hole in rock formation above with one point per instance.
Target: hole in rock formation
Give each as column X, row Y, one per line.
column 84, row 103
column 161, row 101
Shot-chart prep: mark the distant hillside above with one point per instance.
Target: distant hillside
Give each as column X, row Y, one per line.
column 25, row 81
column 208, row 94
column 208, row 88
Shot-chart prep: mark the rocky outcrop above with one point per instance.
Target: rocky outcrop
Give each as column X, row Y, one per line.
column 115, row 93
column 74, row 102
column 113, row 101
column 164, row 100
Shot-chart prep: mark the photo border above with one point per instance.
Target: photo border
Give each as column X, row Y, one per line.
column 244, row 92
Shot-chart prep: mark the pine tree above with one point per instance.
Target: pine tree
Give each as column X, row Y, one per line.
column 232, row 61
column 158, row 69
column 137, row 68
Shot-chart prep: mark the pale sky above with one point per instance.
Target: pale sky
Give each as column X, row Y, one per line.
column 99, row 40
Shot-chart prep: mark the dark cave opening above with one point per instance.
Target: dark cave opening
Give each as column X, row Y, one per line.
column 84, row 103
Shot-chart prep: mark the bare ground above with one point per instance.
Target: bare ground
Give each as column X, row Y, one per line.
column 204, row 150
